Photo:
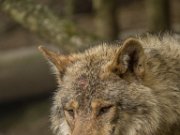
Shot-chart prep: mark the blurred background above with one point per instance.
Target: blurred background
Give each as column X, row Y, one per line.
column 26, row 82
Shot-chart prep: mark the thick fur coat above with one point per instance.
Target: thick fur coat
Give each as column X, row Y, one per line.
column 126, row 88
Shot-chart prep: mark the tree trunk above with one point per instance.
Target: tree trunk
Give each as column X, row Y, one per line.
column 106, row 18
column 158, row 15
column 70, row 8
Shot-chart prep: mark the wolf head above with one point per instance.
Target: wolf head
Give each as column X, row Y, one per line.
column 101, row 92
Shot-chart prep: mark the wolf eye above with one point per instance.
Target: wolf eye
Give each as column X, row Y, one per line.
column 70, row 112
column 104, row 110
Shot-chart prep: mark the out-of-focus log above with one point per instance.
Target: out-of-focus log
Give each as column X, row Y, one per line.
column 24, row 73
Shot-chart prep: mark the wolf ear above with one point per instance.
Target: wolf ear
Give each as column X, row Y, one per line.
column 60, row 62
column 130, row 57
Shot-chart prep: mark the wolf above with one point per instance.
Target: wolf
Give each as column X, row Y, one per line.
column 130, row 87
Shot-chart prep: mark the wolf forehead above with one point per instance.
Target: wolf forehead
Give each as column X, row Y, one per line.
column 82, row 82
column 88, row 71
column 86, row 87
column 88, row 66
column 85, row 84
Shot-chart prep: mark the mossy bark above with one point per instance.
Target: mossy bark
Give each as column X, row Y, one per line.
column 158, row 15
column 106, row 18
column 45, row 23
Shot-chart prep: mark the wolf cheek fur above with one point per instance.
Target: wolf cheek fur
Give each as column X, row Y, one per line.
column 128, row 89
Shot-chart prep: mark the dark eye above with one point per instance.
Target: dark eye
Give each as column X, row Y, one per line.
column 70, row 112
column 104, row 110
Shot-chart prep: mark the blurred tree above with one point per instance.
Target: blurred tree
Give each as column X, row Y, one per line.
column 70, row 6
column 73, row 7
column 106, row 18
column 158, row 15
column 45, row 23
